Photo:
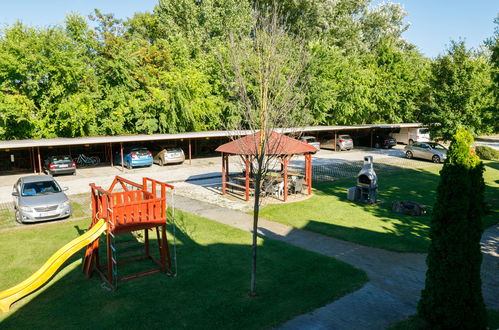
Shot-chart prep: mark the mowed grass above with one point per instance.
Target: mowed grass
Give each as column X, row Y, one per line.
column 209, row 292
column 330, row 213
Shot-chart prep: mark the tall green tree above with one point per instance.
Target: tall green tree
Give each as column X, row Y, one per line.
column 452, row 297
column 459, row 92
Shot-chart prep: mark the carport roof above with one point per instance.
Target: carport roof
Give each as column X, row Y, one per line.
column 277, row 144
column 56, row 142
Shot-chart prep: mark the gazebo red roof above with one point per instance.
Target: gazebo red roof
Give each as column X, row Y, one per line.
column 278, row 144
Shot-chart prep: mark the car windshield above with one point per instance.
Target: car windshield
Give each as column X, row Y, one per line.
column 40, row 188
column 345, row 137
column 437, row 146
column 60, row 159
column 423, row 131
column 140, row 151
column 309, row 139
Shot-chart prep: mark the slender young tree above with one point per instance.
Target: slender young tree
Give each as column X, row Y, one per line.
column 266, row 70
column 452, row 297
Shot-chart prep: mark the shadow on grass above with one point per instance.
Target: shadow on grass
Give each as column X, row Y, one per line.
column 209, row 292
column 396, row 231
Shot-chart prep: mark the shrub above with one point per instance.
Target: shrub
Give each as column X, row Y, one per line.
column 487, row 153
column 452, row 297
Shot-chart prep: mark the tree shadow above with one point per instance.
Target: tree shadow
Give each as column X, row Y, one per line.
column 210, row 290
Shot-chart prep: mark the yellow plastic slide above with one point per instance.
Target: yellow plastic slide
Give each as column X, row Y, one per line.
column 42, row 275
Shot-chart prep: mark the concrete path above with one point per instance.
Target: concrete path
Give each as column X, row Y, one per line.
column 396, row 279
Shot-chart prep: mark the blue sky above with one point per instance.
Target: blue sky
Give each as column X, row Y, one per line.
column 433, row 22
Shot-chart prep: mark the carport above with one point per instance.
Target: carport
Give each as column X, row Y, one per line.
column 28, row 154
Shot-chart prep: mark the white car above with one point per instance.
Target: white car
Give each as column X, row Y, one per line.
column 407, row 135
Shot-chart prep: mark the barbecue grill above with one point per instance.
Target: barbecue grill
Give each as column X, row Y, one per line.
column 366, row 189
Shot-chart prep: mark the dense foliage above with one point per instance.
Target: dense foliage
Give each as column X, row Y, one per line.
column 166, row 71
column 487, row 153
column 452, row 297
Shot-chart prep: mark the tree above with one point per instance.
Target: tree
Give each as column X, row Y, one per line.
column 458, row 93
column 267, row 72
column 452, row 297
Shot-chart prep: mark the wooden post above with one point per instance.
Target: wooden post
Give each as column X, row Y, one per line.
column 309, row 176
column 223, row 174
column 286, row 181
column 247, row 178
column 335, row 141
column 122, row 164
column 190, row 152
column 39, row 161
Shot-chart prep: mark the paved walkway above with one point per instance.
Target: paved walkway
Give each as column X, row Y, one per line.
column 396, row 279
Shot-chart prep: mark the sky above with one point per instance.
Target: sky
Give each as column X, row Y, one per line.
column 433, row 22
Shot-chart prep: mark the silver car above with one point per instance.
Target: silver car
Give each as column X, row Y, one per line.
column 312, row 141
column 40, row 198
column 426, row 150
column 343, row 142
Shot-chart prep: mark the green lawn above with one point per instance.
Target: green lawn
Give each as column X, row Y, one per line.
column 210, row 291
column 329, row 212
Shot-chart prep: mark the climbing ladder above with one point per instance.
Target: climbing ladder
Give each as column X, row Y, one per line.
column 137, row 207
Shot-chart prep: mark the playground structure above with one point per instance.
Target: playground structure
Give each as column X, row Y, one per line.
column 137, row 207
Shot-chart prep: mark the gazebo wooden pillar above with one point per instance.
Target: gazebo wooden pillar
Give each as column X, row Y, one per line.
column 247, row 177
column 308, row 172
column 224, row 183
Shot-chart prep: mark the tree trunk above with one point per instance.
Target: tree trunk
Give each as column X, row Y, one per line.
column 256, row 211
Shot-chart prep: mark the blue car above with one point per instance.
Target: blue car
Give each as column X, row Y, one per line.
column 134, row 157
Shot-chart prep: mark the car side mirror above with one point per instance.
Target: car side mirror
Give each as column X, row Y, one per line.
column 64, row 188
column 15, row 194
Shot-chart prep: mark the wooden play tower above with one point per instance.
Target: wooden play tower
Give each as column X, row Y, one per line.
column 135, row 207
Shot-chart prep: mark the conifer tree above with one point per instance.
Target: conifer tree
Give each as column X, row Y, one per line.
column 452, row 297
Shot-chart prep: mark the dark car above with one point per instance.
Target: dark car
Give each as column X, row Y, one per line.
column 384, row 141
column 134, row 157
column 60, row 165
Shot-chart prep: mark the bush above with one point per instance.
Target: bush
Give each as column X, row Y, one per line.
column 487, row 153
column 452, row 297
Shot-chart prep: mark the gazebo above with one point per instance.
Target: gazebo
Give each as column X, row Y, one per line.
column 282, row 146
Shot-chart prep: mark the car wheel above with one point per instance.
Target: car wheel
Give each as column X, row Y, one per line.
column 18, row 217
column 409, row 154
column 435, row 159
column 411, row 141
column 338, row 148
column 128, row 165
column 161, row 163
column 377, row 145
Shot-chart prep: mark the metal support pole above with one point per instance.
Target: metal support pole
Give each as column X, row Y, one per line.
column 39, row 161
column 111, row 152
column 122, row 165
column 190, row 152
